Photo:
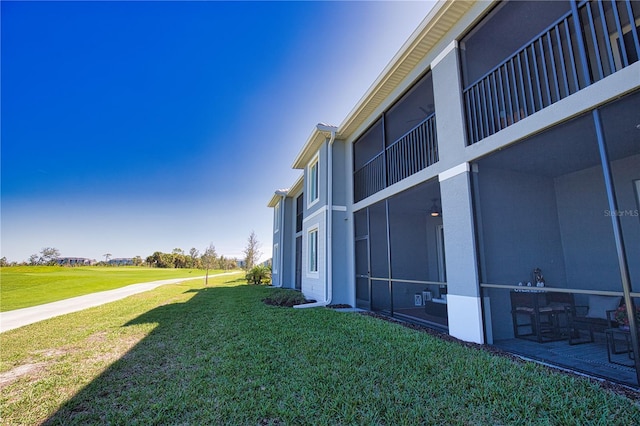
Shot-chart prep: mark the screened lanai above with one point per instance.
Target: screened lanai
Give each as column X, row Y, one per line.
column 526, row 55
column 565, row 201
column 400, row 256
column 399, row 144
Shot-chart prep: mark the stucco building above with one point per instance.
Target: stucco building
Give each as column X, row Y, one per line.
column 504, row 136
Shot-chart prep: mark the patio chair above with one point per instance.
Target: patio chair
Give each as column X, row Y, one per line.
column 593, row 318
column 541, row 312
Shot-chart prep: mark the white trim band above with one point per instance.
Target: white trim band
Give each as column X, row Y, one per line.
column 454, row 171
column 321, row 210
column 450, row 47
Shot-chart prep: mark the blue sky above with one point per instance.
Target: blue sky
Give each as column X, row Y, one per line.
column 131, row 127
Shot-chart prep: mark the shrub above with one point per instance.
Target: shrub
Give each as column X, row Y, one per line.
column 259, row 275
column 282, row 297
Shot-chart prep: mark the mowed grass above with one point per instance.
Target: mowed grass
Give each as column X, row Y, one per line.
column 184, row 354
column 25, row 286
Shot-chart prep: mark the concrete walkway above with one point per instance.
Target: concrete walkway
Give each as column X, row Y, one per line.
column 21, row 317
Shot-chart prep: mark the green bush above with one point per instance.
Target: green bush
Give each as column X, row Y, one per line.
column 282, row 297
column 259, row 275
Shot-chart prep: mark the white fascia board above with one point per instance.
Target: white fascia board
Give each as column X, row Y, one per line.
column 274, row 200
column 309, row 149
column 315, row 140
column 288, row 192
column 277, row 196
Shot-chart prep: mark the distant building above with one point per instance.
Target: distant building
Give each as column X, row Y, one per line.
column 121, row 261
column 75, row 261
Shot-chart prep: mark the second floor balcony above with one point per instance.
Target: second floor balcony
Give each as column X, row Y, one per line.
column 580, row 43
column 411, row 153
column 399, row 144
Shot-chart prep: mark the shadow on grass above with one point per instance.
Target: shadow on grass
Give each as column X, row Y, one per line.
column 224, row 357
column 177, row 372
column 239, row 280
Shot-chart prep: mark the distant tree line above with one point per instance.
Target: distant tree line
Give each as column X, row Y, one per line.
column 179, row 259
column 209, row 259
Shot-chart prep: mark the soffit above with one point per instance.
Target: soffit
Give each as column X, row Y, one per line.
column 444, row 15
column 440, row 20
column 309, row 149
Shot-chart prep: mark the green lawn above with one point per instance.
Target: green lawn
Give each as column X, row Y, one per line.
column 25, row 286
column 185, row 354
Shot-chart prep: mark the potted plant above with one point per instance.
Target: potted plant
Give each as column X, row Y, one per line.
column 621, row 317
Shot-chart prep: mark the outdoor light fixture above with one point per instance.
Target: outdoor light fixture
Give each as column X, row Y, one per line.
column 435, row 211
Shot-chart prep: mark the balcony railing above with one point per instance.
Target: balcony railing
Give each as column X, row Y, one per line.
column 369, row 179
column 555, row 64
column 414, row 151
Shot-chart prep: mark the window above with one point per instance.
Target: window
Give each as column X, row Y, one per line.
column 312, row 182
column 276, row 259
column 313, row 250
column 299, row 201
column 276, row 218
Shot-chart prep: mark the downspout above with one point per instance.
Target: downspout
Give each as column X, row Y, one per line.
column 283, row 195
column 328, row 221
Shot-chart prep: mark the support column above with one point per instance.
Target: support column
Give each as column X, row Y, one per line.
column 447, row 93
column 463, row 290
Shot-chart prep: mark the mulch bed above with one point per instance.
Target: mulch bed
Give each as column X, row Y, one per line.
column 632, row 394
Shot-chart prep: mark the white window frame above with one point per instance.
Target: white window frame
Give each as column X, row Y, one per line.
column 312, row 251
column 313, row 187
column 276, row 217
column 276, row 258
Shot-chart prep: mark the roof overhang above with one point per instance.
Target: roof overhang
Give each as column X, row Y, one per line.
column 439, row 21
column 444, row 15
column 320, row 133
column 277, row 196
